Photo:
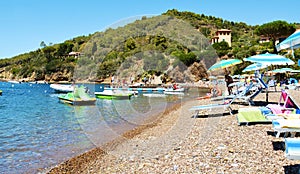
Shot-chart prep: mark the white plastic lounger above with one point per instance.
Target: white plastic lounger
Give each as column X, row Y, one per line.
column 225, row 105
column 249, row 99
column 211, row 107
column 292, row 148
column 286, row 126
column 243, row 97
column 238, row 95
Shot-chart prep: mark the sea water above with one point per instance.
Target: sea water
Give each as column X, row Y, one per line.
column 38, row 132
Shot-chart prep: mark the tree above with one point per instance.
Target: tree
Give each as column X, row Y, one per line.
column 222, row 48
column 42, row 44
column 275, row 30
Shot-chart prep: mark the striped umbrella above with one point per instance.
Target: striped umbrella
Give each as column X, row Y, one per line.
column 293, row 41
column 285, row 70
column 224, row 64
column 255, row 66
column 270, row 59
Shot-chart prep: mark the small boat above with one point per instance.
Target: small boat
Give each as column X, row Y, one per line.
column 174, row 90
column 14, row 81
column 114, row 94
column 38, row 82
column 78, row 97
column 62, row 88
column 0, row 92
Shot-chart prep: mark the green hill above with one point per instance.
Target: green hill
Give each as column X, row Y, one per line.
column 174, row 45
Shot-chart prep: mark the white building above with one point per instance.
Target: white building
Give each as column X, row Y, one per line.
column 222, row 35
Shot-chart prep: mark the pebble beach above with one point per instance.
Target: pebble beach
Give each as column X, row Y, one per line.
column 181, row 142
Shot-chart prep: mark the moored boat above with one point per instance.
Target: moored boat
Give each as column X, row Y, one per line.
column 14, row 81
column 62, row 88
column 174, row 90
column 114, row 94
column 78, row 97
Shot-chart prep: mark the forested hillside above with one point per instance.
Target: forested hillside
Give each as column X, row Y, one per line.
column 173, row 44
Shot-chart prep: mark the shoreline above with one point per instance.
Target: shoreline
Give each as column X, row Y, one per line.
column 202, row 144
column 78, row 163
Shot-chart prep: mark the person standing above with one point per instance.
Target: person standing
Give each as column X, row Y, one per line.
column 228, row 80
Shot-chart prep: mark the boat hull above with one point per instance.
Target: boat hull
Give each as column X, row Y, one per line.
column 78, row 102
column 117, row 97
column 111, row 94
column 62, row 88
column 78, row 97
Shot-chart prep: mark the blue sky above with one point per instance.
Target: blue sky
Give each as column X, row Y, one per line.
column 25, row 23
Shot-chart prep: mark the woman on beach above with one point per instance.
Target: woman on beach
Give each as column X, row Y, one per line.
column 214, row 92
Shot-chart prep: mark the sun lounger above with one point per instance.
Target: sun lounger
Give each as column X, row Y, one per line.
column 288, row 107
column 289, row 102
column 249, row 98
column 239, row 95
column 251, row 115
column 225, row 105
column 244, row 95
column 226, row 101
column 262, row 83
column 286, row 126
column 292, row 148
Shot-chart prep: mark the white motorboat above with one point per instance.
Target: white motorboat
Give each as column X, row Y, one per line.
column 62, row 88
column 174, row 90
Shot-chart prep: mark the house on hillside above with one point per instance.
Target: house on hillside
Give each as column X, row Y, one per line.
column 222, row 35
column 264, row 39
column 75, row 54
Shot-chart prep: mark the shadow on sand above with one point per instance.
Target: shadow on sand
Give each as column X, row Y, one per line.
column 292, row 169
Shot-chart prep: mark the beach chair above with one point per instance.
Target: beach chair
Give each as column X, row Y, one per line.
column 251, row 115
column 244, row 95
column 289, row 102
column 289, row 105
column 292, row 148
column 272, row 84
column 225, row 105
column 246, row 98
column 249, row 98
column 239, row 95
column 286, row 126
column 262, row 83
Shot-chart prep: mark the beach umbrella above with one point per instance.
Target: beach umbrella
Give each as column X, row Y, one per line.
column 295, row 71
column 285, row 70
column 224, row 64
column 255, row 66
column 270, row 59
column 293, row 42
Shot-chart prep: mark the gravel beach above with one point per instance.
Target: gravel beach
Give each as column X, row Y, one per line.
column 180, row 142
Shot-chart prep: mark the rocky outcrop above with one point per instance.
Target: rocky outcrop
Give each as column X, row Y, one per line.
column 197, row 71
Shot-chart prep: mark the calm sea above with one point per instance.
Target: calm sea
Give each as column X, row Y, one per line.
column 38, row 132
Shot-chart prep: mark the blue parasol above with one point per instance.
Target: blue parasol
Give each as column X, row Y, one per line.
column 270, row 59
column 224, row 64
